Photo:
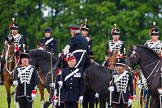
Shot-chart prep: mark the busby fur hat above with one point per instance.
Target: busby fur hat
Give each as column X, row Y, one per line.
column 120, row 62
column 25, row 55
column 14, row 26
column 154, row 30
column 115, row 31
column 84, row 26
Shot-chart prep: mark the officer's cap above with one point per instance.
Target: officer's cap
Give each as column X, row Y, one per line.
column 14, row 26
column 48, row 29
column 120, row 62
column 25, row 55
column 74, row 27
column 70, row 57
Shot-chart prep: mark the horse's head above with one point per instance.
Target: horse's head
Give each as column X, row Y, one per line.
column 41, row 45
column 9, row 47
column 133, row 57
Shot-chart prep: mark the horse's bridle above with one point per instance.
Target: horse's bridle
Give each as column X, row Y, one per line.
column 10, row 60
column 134, row 54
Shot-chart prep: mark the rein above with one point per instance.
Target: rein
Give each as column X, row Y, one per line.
column 7, row 62
column 158, row 62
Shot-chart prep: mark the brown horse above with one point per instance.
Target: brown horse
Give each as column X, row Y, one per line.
column 9, row 67
column 39, row 58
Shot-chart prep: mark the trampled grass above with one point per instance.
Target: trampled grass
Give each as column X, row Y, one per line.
column 37, row 103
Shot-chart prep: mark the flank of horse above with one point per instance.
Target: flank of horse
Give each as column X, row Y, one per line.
column 150, row 64
column 39, row 58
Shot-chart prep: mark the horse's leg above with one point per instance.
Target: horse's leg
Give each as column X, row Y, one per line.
column 41, row 90
column 154, row 103
column 7, row 86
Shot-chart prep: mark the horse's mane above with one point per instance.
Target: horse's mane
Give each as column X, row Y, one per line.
column 149, row 51
column 42, row 53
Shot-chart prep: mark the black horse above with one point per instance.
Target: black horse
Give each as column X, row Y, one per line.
column 150, row 63
column 43, row 61
column 95, row 76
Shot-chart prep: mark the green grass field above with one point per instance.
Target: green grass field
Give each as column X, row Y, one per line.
column 37, row 104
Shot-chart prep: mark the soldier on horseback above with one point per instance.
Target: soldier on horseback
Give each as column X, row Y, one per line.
column 78, row 46
column 49, row 41
column 89, row 94
column 115, row 44
column 25, row 80
column 155, row 44
column 18, row 42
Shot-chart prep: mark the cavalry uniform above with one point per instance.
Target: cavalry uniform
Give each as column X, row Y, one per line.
column 112, row 46
column 79, row 47
column 72, row 84
column 25, row 80
column 50, row 42
column 156, row 46
column 115, row 44
column 123, row 86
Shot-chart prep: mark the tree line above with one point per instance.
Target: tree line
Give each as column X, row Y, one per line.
column 133, row 18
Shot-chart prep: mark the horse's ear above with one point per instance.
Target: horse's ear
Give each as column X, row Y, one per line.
column 130, row 46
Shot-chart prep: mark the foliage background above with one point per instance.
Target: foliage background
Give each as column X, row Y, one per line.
column 133, row 17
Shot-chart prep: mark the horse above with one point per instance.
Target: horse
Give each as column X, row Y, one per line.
column 40, row 59
column 95, row 77
column 9, row 67
column 150, row 64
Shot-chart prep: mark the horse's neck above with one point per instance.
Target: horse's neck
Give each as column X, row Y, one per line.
column 149, row 66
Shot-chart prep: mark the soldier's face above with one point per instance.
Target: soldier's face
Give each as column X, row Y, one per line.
column 84, row 32
column 14, row 31
column 72, row 33
column 120, row 69
column 154, row 37
column 47, row 34
column 25, row 61
column 72, row 63
column 116, row 37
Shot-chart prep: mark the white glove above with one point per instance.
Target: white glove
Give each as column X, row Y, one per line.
column 140, row 85
column 55, row 100
column 52, row 85
column 129, row 102
column 15, row 83
column 81, row 99
column 111, row 88
column 96, row 95
column 33, row 94
column 60, row 83
column 66, row 49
